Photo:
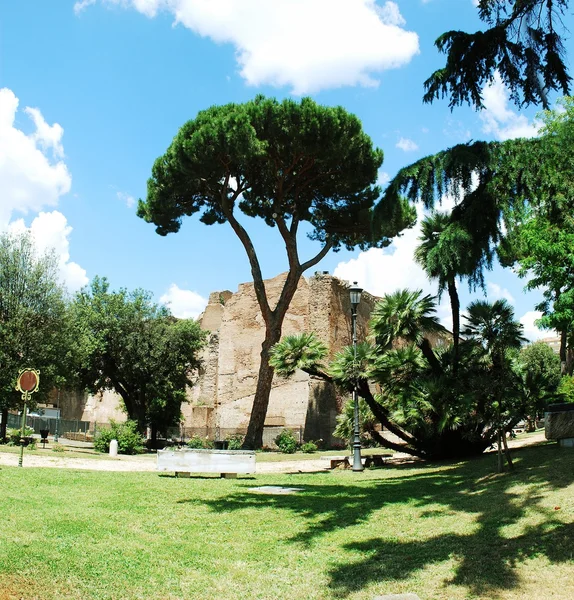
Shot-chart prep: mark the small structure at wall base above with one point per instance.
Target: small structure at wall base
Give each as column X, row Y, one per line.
column 559, row 424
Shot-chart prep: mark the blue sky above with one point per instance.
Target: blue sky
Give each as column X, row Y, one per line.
column 93, row 91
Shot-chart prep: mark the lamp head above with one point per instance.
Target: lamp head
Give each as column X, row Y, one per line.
column 355, row 295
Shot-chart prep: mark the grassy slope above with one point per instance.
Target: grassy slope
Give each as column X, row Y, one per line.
column 448, row 531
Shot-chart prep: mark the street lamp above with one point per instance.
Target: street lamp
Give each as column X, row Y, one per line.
column 57, row 418
column 355, row 295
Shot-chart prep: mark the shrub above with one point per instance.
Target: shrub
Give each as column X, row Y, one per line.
column 566, row 388
column 286, row 442
column 309, row 447
column 235, row 441
column 14, row 435
column 58, row 447
column 198, row 442
column 129, row 440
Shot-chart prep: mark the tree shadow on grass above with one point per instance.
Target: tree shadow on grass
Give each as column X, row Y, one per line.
column 485, row 559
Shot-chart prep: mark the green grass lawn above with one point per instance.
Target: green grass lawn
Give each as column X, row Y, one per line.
column 447, row 531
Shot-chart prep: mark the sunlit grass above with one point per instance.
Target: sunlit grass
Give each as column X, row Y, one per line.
column 448, row 531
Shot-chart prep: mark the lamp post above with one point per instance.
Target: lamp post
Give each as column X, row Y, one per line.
column 56, row 432
column 355, row 295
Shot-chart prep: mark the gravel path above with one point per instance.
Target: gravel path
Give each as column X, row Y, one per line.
column 148, row 462
column 145, row 463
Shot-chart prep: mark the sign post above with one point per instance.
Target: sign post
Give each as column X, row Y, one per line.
column 27, row 383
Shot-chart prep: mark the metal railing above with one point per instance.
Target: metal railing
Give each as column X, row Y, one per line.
column 86, row 430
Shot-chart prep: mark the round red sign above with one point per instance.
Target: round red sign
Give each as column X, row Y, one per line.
column 28, row 381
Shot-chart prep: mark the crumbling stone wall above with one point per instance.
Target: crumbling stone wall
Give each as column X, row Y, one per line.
column 231, row 358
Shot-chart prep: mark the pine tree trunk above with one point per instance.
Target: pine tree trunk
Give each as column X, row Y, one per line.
column 254, row 436
column 455, row 308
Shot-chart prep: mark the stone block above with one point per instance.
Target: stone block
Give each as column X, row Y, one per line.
column 206, row 461
column 559, row 425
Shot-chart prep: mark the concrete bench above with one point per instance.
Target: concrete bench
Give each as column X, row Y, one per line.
column 375, row 460
column 369, row 460
column 228, row 463
column 337, row 461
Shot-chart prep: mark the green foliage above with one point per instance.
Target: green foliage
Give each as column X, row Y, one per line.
column 34, row 324
column 234, row 442
column 406, row 315
column 60, row 448
column 522, row 43
column 438, row 412
column 448, row 251
column 566, row 389
column 493, row 325
column 286, row 442
column 138, row 349
column 309, row 447
column 129, row 439
column 15, row 435
column 278, row 161
column 345, row 420
column 351, row 364
column 540, row 367
column 196, row 442
column 302, row 351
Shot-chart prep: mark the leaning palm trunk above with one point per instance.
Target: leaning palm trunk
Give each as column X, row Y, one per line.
column 455, row 308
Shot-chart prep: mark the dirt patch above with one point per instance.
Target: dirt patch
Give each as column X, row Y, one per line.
column 17, row 588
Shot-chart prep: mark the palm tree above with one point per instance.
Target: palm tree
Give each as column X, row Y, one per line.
column 409, row 316
column 447, row 251
column 492, row 325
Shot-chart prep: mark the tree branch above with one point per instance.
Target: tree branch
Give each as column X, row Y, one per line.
column 382, row 440
column 320, row 256
column 258, row 284
column 381, row 413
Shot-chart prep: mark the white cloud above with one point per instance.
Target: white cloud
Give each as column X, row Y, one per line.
column 184, row 304
column 33, row 176
column 47, row 136
column 499, row 120
column 532, row 332
column 406, row 145
column 51, row 231
column 82, row 4
column 497, row 292
column 308, row 45
column 384, row 270
column 127, row 199
column 383, row 178
column 29, row 179
column 457, row 131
